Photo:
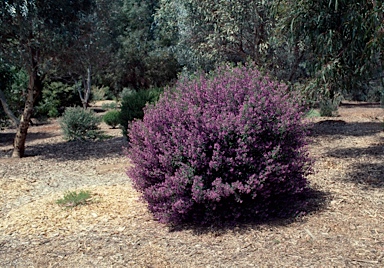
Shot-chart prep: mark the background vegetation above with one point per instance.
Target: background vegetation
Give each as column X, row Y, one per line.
column 221, row 144
column 54, row 55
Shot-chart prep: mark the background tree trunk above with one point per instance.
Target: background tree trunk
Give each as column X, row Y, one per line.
column 85, row 93
column 34, row 89
column 87, row 87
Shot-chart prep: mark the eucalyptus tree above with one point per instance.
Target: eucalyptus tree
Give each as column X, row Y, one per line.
column 342, row 41
column 34, row 34
column 143, row 58
column 89, row 51
column 207, row 32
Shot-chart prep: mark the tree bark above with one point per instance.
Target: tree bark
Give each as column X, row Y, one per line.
column 86, row 81
column 34, row 89
column 7, row 110
column 88, row 88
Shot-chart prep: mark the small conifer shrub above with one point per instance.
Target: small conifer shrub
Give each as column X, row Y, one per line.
column 226, row 146
column 133, row 103
column 80, row 124
column 112, row 118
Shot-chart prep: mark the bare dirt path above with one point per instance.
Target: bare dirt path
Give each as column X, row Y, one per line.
column 115, row 229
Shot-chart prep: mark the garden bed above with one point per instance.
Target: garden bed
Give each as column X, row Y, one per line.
column 343, row 226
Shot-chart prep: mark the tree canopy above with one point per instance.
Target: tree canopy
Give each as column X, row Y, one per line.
column 342, row 41
column 34, row 34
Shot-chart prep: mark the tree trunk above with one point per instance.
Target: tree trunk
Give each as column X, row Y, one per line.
column 34, row 89
column 8, row 111
column 87, row 89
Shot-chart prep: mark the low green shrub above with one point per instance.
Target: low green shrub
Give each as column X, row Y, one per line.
column 73, row 199
column 126, row 91
column 328, row 108
column 112, row 118
column 312, row 113
column 56, row 96
column 110, row 106
column 133, row 103
column 80, row 124
column 100, row 93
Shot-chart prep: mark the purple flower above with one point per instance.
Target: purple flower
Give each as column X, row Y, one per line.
column 219, row 145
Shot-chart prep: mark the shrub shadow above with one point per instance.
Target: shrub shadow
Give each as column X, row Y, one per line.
column 290, row 211
column 78, row 150
column 341, row 128
column 360, row 104
column 352, row 152
column 97, row 110
column 368, row 173
column 7, row 138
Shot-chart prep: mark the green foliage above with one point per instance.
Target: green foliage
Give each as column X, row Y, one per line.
column 312, row 113
column 101, row 93
column 132, row 105
column 110, row 106
column 73, row 199
column 112, row 118
column 339, row 42
column 15, row 91
column 205, row 33
column 6, row 79
column 12, row 86
column 328, row 108
column 80, row 124
column 371, row 92
column 142, row 60
column 374, row 94
column 125, row 92
column 56, row 96
column 328, row 46
column 35, row 36
column 36, row 32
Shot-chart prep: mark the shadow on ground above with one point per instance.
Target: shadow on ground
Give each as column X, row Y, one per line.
column 370, row 175
column 337, row 128
column 376, row 151
column 360, row 104
column 79, row 150
column 289, row 211
column 72, row 150
column 7, row 138
column 370, row 170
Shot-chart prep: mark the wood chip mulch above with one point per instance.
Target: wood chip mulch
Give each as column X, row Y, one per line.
column 114, row 229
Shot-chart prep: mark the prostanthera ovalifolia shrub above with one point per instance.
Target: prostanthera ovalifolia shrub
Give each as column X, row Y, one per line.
column 227, row 146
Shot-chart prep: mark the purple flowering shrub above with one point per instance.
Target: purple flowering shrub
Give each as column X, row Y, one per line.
column 223, row 146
